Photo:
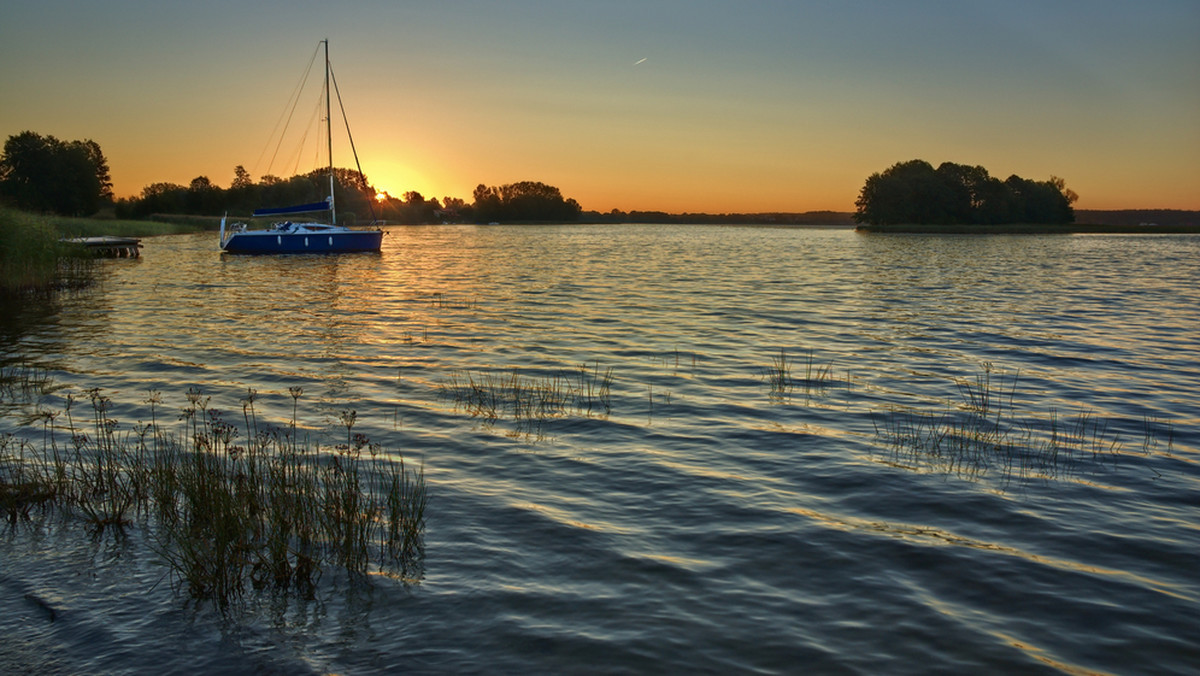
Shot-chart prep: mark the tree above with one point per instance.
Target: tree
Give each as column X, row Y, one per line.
column 487, row 204
column 964, row 190
column 907, row 192
column 42, row 173
column 203, row 197
column 241, row 195
column 161, row 198
column 103, row 177
column 995, row 204
column 524, row 201
column 241, row 179
column 415, row 209
column 914, row 192
column 454, row 210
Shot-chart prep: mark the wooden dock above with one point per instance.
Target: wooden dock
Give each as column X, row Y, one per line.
column 109, row 247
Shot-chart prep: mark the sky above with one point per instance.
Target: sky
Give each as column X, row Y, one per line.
column 681, row 106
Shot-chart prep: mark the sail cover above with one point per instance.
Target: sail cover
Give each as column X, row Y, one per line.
column 298, row 209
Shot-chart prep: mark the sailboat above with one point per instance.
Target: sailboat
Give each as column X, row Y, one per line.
column 288, row 237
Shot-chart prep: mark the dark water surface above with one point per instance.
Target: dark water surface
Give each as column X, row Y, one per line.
column 706, row 516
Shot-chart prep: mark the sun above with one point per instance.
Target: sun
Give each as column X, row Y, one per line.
column 381, row 196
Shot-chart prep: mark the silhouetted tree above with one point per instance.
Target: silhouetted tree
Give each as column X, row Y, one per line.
column 413, row 209
column 907, row 192
column 160, row 198
column 454, row 209
column 242, row 195
column 524, row 201
column 203, row 197
column 487, row 204
column 914, row 192
column 42, row 173
column 241, row 179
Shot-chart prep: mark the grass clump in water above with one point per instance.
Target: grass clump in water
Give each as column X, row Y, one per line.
column 529, row 400
column 22, row 382
column 983, row 432
column 782, row 383
column 225, row 512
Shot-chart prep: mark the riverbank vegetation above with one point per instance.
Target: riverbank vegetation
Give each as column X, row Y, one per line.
column 226, row 508
column 33, row 257
column 29, row 252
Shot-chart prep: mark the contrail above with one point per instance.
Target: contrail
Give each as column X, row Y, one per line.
column 641, row 60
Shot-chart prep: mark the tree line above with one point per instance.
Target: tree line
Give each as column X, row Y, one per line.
column 767, row 218
column 914, row 192
column 43, row 174
column 203, row 197
column 356, row 199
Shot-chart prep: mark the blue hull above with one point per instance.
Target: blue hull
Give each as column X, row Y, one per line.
column 270, row 242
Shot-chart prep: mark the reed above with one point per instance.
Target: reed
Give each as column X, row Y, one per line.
column 24, row 483
column 23, row 383
column 227, row 508
column 779, row 375
column 32, row 258
column 530, row 401
column 983, row 432
column 782, row 384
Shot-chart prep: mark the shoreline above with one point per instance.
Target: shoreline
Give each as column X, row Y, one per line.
column 1030, row 229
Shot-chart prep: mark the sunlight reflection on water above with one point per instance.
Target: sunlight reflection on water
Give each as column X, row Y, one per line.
column 715, row 517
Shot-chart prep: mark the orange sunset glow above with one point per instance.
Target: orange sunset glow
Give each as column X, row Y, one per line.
column 703, row 107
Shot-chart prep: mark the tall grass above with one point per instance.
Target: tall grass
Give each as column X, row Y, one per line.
column 983, row 432
column 162, row 224
column 32, row 258
column 530, row 401
column 779, row 375
column 23, row 383
column 228, row 508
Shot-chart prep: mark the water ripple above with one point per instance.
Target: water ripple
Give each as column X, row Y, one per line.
column 716, row 514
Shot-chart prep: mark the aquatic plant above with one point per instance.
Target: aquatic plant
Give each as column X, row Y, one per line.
column 982, row 432
column 33, row 259
column 225, row 512
column 531, row 400
column 438, row 300
column 24, row 483
column 779, row 375
column 22, row 382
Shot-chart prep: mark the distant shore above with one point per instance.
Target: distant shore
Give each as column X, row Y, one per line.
column 1032, row 229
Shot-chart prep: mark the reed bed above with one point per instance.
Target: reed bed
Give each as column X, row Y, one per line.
column 227, row 507
column 983, row 432
column 33, row 259
column 530, row 401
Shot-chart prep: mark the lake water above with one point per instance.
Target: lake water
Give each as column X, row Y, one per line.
column 711, row 514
